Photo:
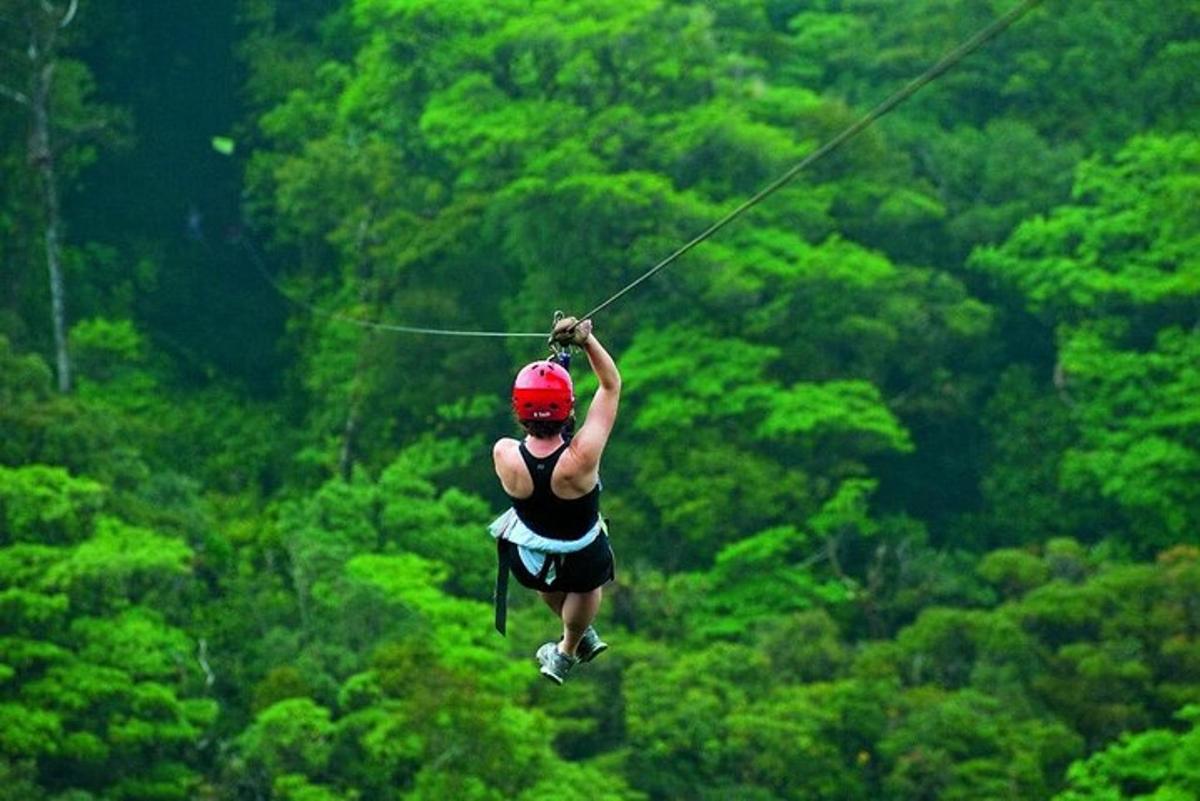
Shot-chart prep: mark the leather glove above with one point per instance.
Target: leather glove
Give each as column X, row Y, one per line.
column 571, row 331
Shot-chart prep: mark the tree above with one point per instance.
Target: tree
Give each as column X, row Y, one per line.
column 61, row 116
column 1152, row 764
column 98, row 689
column 1116, row 273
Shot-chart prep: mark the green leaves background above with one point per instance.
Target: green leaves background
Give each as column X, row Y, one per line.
column 903, row 492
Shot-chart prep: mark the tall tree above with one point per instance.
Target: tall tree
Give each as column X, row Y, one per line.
column 43, row 22
column 61, row 116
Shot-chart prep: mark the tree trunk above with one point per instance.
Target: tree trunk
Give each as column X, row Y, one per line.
column 41, row 155
column 43, row 22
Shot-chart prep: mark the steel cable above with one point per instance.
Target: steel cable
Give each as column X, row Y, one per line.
column 943, row 65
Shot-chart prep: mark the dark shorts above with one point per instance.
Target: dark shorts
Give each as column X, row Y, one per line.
column 582, row 571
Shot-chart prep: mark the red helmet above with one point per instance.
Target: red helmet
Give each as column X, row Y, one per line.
column 543, row 391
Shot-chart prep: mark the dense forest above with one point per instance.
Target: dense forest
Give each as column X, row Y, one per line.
column 905, row 492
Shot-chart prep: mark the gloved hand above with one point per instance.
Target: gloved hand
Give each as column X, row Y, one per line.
column 570, row 331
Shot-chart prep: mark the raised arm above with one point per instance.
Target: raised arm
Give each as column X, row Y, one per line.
column 590, row 439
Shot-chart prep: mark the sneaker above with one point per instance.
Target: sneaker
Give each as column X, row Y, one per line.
column 555, row 665
column 590, row 646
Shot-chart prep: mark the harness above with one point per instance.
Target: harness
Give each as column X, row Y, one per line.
column 541, row 552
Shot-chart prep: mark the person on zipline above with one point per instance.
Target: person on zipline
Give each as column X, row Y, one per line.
column 553, row 538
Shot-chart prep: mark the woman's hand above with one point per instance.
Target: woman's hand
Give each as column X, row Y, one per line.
column 571, row 331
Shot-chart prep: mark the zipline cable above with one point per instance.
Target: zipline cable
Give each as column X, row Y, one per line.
column 403, row 329
column 943, row 65
column 947, row 62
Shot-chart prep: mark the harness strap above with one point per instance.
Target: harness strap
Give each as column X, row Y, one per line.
column 552, row 561
column 509, row 525
column 504, row 551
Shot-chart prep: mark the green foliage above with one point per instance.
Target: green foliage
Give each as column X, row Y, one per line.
column 1117, row 271
column 1028, row 428
column 293, row 736
column 95, row 343
column 851, row 409
column 1158, row 763
column 1127, row 242
column 1140, row 444
column 965, row 745
column 734, row 593
column 45, row 504
column 1013, row 572
column 93, row 676
column 904, row 487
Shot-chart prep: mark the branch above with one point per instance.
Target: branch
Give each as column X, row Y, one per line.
column 202, row 658
column 70, row 15
column 14, row 95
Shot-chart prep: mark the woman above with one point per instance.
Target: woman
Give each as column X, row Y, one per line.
column 554, row 537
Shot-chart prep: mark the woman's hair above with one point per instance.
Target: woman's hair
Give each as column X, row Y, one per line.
column 545, row 429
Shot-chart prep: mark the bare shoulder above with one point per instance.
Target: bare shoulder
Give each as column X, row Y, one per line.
column 510, row 467
column 504, row 448
column 505, row 443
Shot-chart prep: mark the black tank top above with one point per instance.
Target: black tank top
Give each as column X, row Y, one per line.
column 549, row 515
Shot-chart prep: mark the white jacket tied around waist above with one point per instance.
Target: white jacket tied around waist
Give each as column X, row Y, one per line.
column 533, row 547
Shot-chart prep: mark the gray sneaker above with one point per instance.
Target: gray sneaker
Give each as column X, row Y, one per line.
column 555, row 665
column 590, row 646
